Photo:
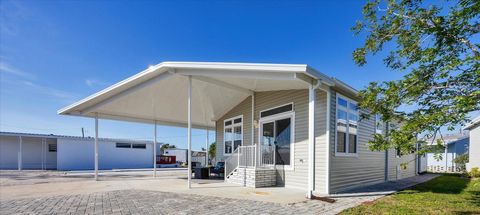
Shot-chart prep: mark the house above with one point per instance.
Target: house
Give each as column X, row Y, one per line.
column 474, row 148
column 443, row 160
column 276, row 124
column 42, row 151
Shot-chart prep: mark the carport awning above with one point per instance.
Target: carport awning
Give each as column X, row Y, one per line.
column 160, row 92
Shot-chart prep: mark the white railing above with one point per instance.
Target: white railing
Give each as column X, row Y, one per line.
column 266, row 156
column 252, row 156
column 246, row 156
column 231, row 162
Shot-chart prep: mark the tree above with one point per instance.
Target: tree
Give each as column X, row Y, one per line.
column 167, row 146
column 436, row 47
column 212, row 150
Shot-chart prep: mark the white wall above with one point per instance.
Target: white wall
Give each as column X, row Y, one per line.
column 78, row 154
column 474, row 148
column 180, row 154
column 33, row 156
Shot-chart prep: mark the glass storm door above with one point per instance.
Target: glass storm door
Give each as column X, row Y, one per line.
column 278, row 132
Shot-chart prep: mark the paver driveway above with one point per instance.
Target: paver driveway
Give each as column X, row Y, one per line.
column 97, row 198
column 152, row 202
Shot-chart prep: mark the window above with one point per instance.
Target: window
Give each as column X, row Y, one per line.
column 139, row 146
column 378, row 124
column 124, row 145
column 233, row 134
column 277, row 110
column 52, row 147
column 347, row 126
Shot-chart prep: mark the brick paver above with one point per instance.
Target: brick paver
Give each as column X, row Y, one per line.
column 155, row 202
column 144, row 202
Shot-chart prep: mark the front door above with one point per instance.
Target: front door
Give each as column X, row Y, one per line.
column 278, row 132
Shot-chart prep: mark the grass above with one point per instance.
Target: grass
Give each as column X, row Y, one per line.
column 447, row 194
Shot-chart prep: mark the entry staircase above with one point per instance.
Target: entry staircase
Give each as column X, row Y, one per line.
column 251, row 166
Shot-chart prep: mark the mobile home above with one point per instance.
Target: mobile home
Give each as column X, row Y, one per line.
column 276, row 124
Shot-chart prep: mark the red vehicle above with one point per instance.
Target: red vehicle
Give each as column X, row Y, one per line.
column 166, row 159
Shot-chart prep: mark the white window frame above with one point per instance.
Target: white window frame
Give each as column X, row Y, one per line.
column 232, row 126
column 290, row 103
column 347, row 138
column 279, row 116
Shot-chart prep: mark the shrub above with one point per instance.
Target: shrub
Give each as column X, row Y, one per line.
column 461, row 161
column 474, row 172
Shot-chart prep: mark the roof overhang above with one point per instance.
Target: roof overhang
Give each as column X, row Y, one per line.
column 159, row 93
column 474, row 123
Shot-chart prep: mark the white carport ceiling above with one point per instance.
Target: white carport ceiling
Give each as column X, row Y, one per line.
column 160, row 92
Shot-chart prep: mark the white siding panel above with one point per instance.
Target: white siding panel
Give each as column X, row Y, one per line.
column 474, row 148
column 77, row 154
column 32, row 155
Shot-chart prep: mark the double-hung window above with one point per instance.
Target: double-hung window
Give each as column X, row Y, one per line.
column 233, row 134
column 347, row 126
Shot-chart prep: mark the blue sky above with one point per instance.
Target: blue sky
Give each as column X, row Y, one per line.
column 53, row 53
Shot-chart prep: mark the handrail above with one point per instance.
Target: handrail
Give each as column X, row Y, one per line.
column 251, row 156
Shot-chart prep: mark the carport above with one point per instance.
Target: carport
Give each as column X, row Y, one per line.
column 195, row 95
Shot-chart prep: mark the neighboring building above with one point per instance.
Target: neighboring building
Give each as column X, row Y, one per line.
column 181, row 155
column 40, row 151
column 276, row 124
column 474, row 148
column 443, row 160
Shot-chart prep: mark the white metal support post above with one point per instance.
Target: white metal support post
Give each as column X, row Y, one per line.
column 206, row 149
column 154, row 149
column 446, row 157
column 311, row 139
column 253, row 130
column 44, row 155
column 20, row 150
column 189, row 160
column 96, row 147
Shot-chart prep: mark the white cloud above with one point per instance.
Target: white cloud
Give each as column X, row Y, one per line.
column 9, row 69
column 95, row 82
column 27, row 82
column 48, row 90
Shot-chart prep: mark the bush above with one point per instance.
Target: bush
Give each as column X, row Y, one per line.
column 474, row 172
column 461, row 161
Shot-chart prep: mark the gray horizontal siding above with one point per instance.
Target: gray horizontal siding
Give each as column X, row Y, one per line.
column 243, row 108
column 394, row 162
column 320, row 142
column 298, row 176
column 366, row 168
column 265, row 100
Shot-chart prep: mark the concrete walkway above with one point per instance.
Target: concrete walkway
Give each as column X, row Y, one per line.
column 170, row 195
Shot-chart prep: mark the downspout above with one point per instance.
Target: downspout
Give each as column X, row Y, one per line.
column 328, row 139
column 311, row 137
column 386, row 164
column 387, row 161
